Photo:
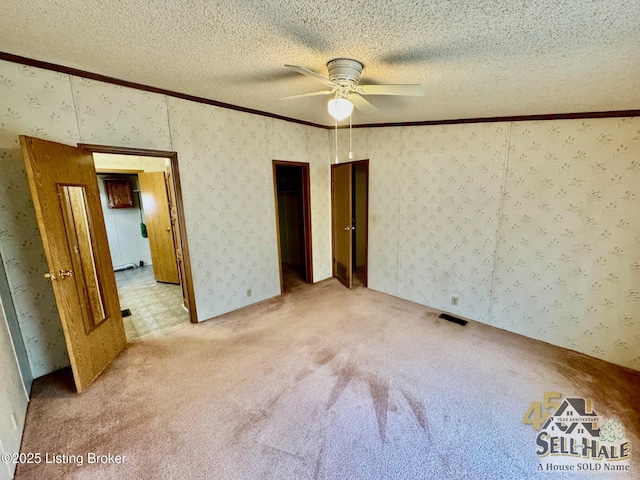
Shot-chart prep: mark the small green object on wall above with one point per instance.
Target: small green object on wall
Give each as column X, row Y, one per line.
column 143, row 230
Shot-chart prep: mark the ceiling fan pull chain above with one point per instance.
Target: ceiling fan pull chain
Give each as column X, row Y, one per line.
column 350, row 149
column 336, row 140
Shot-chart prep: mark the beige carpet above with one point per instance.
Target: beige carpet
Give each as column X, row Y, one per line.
column 320, row 383
column 291, row 277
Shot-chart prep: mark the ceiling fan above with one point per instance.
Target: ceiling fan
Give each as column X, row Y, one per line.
column 344, row 75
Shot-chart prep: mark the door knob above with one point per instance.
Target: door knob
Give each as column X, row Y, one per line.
column 168, row 229
column 347, row 229
column 65, row 273
column 50, row 276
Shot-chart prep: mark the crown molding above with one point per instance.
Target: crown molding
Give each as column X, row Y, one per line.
column 147, row 88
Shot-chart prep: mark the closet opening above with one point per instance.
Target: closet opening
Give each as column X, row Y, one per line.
column 293, row 223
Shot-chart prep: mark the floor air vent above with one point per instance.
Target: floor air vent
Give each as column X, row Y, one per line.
column 453, row 319
column 341, row 271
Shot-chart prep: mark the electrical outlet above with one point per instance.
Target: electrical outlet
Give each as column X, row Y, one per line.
column 249, row 292
column 454, row 300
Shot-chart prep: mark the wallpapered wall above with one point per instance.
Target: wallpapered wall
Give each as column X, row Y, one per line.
column 37, row 103
column 225, row 168
column 450, row 209
column 13, row 397
column 535, row 225
column 233, row 247
column 568, row 266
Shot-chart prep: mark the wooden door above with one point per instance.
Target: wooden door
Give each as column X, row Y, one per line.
column 155, row 204
column 341, row 193
column 65, row 194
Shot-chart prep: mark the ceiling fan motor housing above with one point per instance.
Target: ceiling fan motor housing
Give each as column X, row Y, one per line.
column 343, row 81
column 345, row 72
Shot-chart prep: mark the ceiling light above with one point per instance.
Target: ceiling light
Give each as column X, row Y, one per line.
column 340, row 108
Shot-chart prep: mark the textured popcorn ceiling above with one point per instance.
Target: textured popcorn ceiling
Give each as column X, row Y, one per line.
column 476, row 58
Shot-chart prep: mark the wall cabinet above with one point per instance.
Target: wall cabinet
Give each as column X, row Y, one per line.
column 119, row 193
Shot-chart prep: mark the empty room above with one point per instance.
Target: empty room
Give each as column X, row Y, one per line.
column 301, row 240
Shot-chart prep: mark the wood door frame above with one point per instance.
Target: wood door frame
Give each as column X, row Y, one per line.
column 173, row 162
column 366, row 220
column 306, row 217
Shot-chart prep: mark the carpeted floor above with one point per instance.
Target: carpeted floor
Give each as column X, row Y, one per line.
column 320, row 383
column 358, row 277
column 292, row 277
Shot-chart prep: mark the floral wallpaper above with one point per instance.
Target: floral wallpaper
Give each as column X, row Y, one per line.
column 225, row 166
column 12, row 394
column 230, row 212
column 534, row 225
column 452, row 179
column 422, row 180
column 383, row 148
column 68, row 110
column 300, row 143
column 38, row 103
column 568, row 267
column 551, row 249
column 114, row 115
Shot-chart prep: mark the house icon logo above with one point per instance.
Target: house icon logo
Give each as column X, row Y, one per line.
column 573, row 437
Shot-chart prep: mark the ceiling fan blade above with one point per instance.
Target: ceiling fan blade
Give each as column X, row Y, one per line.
column 411, row 90
column 361, row 104
column 311, row 73
column 313, row 94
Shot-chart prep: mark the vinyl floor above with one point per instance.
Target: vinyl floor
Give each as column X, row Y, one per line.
column 154, row 306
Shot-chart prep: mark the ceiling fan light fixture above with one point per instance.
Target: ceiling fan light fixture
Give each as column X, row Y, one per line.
column 339, row 108
column 344, row 81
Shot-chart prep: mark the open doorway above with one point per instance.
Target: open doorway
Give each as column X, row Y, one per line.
column 66, row 198
column 293, row 221
column 349, row 211
column 143, row 228
column 359, row 200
